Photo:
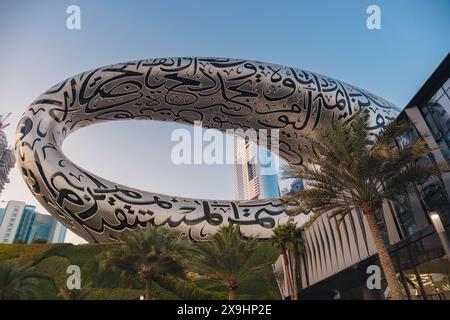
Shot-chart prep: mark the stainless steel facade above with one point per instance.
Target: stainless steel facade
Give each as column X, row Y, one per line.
column 222, row 93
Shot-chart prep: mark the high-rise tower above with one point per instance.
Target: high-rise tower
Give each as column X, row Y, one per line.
column 7, row 158
column 250, row 180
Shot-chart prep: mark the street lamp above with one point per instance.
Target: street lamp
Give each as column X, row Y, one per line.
column 436, row 219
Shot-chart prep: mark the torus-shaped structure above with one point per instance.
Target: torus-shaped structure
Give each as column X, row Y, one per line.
column 222, row 93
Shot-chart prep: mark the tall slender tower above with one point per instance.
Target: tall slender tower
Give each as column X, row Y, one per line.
column 7, row 158
column 250, row 183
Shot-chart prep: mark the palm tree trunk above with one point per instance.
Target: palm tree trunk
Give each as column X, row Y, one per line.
column 232, row 290
column 301, row 267
column 148, row 288
column 232, row 294
column 64, row 293
column 287, row 272
column 294, row 274
column 383, row 254
column 298, row 271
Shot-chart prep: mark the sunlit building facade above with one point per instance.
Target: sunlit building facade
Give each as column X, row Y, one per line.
column 47, row 228
column 11, row 221
column 26, row 224
column 20, row 223
column 250, row 181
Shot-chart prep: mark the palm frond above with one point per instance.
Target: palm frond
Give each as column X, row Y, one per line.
column 351, row 167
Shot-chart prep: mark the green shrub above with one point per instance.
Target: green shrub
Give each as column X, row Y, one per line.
column 188, row 290
column 54, row 268
column 161, row 293
column 47, row 289
column 39, row 241
column 23, row 253
column 128, row 294
column 113, row 294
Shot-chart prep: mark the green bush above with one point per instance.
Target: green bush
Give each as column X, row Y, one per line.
column 128, row 294
column 54, row 268
column 39, row 241
column 161, row 293
column 187, row 290
column 47, row 289
column 23, row 253
column 113, row 294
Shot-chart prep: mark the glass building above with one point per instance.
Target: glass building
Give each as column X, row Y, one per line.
column 12, row 218
column 26, row 223
column 2, row 213
column 253, row 173
column 20, row 222
column 296, row 186
column 43, row 228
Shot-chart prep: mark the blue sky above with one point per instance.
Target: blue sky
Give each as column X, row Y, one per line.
column 329, row 37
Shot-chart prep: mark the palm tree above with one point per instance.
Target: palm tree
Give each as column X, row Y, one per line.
column 352, row 169
column 17, row 283
column 280, row 239
column 227, row 257
column 287, row 237
column 151, row 252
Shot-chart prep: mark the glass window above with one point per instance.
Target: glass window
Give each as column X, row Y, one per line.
column 251, row 170
column 436, row 198
column 405, row 216
column 382, row 227
column 446, row 85
column 435, row 276
column 437, row 95
column 444, row 101
column 437, row 116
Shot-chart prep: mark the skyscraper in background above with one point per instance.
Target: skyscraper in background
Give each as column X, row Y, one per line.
column 2, row 213
column 21, row 222
column 11, row 220
column 249, row 182
column 295, row 186
column 26, row 223
column 47, row 228
column 7, row 159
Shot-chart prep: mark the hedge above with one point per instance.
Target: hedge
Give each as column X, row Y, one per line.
column 51, row 262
